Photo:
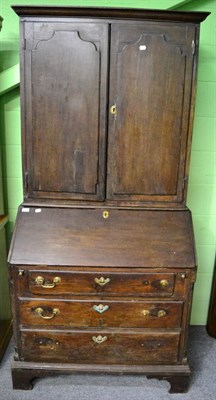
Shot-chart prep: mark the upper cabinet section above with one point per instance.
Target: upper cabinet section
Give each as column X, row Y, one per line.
column 107, row 103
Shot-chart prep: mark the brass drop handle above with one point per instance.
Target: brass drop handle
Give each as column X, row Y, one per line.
column 102, row 281
column 99, row 339
column 40, row 281
column 164, row 283
column 47, row 343
column 100, row 308
column 40, row 312
column 161, row 313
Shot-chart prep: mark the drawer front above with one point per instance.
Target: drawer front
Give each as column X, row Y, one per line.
column 84, row 314
column 99, row 347
column 58, row 283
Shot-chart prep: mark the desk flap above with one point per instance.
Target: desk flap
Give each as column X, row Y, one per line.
column 83, row 237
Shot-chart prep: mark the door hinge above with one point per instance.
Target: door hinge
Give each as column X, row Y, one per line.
column 26, row 182
column 24, row 44
column 184, row 184
column 96, row 188
column 193, row 47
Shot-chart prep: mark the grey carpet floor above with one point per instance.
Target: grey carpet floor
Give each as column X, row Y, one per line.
column 202, row 356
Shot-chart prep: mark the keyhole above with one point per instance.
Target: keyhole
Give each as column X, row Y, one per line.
column 105, row 214
column 142, row 47
column 113, row 110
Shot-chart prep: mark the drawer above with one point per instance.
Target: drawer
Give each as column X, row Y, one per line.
column 84, row 314
column 61, row 283
column 99, row 347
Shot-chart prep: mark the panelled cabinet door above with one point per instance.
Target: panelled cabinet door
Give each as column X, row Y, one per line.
column 65, row 65
column 150, row 88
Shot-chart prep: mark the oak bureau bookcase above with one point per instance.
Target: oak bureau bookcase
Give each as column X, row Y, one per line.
column 102, row 260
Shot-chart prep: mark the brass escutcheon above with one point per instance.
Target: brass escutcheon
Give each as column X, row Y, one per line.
column 40, row 281
column 102, row 281
column 99, row 339
column 105, row 214
column 40, row 312
column 100, row 308
column 113, row 110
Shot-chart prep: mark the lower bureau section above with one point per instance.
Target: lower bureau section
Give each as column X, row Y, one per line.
column 100, row 347
column 113, row 296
